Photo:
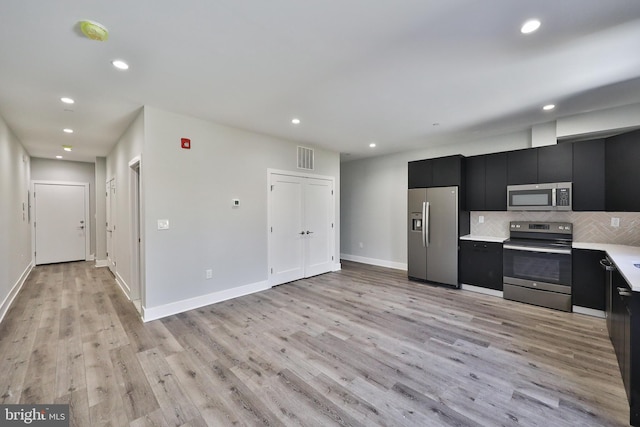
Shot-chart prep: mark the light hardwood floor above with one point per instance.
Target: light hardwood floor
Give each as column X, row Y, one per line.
column 359, row 347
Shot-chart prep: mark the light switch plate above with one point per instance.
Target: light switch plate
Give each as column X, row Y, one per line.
column 615, row 222
column 163, row 224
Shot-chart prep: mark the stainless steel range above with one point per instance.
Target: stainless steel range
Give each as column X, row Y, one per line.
column 537, row 263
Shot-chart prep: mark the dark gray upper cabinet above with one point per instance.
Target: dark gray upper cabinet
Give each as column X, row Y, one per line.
column 588, row 175
column 475, row 183
column 555, row 163
column 486, row 182
column 622, row 172
column 496, row 179
column 438, row 172
column 522, row 166
column 421, row 174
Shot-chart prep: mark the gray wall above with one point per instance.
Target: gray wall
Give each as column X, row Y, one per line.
column 374, row 199
column 193, row 189
column 62, row 170
column 374, row 203
column 130, row 145
column 101, row 231
column 15, row 229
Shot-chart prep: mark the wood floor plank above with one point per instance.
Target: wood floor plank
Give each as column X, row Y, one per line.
column 362, row 346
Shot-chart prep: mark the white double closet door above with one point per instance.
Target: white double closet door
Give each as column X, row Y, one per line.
column 301, row 227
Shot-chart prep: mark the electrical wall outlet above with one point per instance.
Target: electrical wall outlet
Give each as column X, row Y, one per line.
column 615, row 222
column 208, row 273
column 481, row 219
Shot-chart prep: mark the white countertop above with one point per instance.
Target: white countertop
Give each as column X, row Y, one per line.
column 623, row 256
column 483, row 238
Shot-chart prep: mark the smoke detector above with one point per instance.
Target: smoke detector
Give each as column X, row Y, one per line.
column 94, row 30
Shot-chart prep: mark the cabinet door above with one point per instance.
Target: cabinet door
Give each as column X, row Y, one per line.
column 420, row 174
column 496, row 182
column 475, row 183
column 522, row 167
column 555, row 163
column 588, row 175
column 447, row 171
column 589, row 279
column 622, row 172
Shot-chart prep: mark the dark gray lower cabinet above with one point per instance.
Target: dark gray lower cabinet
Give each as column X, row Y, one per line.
column 588, row 277
column 480, row 264
column 624, row 330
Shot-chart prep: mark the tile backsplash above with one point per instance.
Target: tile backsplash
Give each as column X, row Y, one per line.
column 587, row 226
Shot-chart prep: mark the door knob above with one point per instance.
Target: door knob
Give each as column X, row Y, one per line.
column 309, row 232
column 302, row 233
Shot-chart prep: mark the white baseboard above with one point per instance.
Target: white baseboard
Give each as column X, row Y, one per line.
column 123, row 285
column 102, row 263
column 337, row 266
column 481, row 290
column 153, row 313
column 91, row 257
column 14, row 291
column 373, row 261
column 589, row 311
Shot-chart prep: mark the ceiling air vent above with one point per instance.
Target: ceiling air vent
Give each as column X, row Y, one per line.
column 305, row 158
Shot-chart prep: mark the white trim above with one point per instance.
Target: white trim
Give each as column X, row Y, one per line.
column 4, row 308
column 589, row 311
column 91, row 257
column 153, row 313
column 336, row 266
column 481, row 290
column 135, row 168
column 102, row 263
column 123, row 285
column 87, row 215
column 374, row 261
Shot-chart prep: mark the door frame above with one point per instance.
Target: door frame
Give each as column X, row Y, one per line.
column 270, row 173
column 111, row 208
column 135, row 241
column 87, row 218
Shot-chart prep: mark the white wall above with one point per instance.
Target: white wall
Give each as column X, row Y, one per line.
column 193, row 189
column 61, row 170
column 374, row 199
column 129, row 145
column 101, row 230
column 15, row 230
column 374, row 202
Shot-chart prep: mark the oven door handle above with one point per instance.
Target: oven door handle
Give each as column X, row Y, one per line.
column 538, row 249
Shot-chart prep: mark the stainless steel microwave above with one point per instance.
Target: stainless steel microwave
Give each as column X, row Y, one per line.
column 554, row 196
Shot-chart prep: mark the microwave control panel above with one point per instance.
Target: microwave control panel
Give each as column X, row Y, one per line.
column 563, row 197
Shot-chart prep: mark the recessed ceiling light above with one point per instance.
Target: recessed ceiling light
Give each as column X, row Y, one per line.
column 66, row 147
column 120, row 64
column 67, row 130
column 295, row 121
column 67, row 100
column 58, row 157
column 530, row 26
column 548, row 107
column 372, row 145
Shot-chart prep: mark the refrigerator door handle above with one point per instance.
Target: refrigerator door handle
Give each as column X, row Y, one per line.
column 425, row 225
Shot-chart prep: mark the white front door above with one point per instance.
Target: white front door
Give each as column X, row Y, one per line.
column 110, row 206
column 60, row 222
column 301, row 227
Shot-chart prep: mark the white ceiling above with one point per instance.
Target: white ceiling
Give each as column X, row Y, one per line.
column 354, row 71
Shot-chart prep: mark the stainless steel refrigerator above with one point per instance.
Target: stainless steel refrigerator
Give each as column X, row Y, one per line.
column 433, row 235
